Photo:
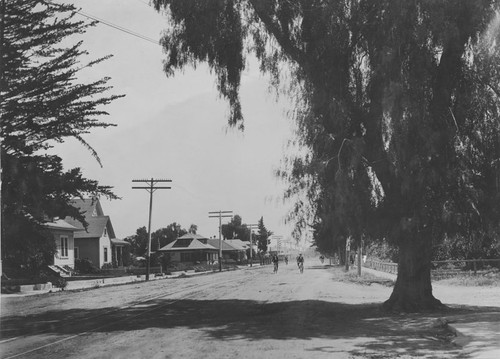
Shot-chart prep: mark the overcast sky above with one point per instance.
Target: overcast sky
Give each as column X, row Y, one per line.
column 176, row 128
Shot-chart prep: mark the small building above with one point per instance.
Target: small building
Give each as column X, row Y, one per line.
column 233, row 249
column 97, row 242
column 239, row 244
column 64, row 237
column 190, row 249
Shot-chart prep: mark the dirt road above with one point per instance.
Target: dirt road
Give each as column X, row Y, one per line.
column 240, row 314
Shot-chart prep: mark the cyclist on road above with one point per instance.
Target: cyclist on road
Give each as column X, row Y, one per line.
column 275, row 261
column 300, row 262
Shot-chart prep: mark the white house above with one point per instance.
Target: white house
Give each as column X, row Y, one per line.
column 64, row 237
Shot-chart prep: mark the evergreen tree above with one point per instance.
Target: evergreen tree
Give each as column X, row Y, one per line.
column 42, row 103
column 262, row 236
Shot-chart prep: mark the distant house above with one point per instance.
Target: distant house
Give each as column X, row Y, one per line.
column 191, row 249
column 239, row 244
column 98, row 242
column 234, row 249
column 64, row 237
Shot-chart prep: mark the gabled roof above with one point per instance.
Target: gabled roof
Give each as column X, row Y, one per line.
column 95, row 228
column 183, row 244
column 60, row 224
column 90, row 206
column 225, row 245
column 238, row 244
column 95, row 218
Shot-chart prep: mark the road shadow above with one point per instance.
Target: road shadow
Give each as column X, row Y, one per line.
column 382, row 332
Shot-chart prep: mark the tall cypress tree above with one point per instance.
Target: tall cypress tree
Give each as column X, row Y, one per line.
column 42, row 102
column 263, row 235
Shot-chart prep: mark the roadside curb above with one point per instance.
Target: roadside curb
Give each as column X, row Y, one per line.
column 112, row 281
column 477, row 334
column 460, row 339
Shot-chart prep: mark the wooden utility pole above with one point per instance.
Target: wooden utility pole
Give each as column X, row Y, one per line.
column 150, row 188
column 251, row 226
column 220, row 214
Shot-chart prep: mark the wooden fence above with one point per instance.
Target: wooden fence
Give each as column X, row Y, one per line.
column 387, row 267
column 451, row 266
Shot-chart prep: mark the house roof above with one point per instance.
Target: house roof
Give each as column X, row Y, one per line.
column 238, row 244
column 95, row 228
column 97, row 221
column 61, row 224
column 225, row 245
column 192, row 236
column 119, row 242
column 90, row 206
column 183, row 244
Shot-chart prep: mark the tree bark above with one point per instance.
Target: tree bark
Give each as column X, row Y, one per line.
column 413, row 289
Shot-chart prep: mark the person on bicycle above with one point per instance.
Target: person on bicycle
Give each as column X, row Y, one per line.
column 300, row 261
column 275, row 261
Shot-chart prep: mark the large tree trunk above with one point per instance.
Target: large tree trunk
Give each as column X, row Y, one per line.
column 413, row 289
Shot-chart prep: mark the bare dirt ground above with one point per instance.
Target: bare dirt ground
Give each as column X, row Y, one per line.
column 240, row 314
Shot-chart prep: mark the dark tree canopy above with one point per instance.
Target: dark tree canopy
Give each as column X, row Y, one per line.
column 236, row 229
column 139, row 242
column 396, row 102
column 164, row 236
column 41, row 103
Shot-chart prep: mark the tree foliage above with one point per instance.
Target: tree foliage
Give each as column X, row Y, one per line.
column 262, row 236
column 236, row 229
column 396, row 102
column 139, row 242
column 164, row 236
column 159, row 238
column 42, row 103
column 193, row 229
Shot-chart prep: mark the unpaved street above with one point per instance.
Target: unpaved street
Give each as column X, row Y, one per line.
column 249, row 313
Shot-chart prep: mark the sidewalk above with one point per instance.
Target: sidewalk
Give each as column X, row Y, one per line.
column 477, row 333
column 26, row 290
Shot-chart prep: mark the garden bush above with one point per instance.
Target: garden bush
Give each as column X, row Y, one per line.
column 85, row 266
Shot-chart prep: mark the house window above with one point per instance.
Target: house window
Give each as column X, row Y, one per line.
column 77, row 253
column 64, row 246
column 105, row 254
column 105, row 232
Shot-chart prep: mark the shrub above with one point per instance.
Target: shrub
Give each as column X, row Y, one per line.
column 85, row 266
column 59, row 282
column 107, row 266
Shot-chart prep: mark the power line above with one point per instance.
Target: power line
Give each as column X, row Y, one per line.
column 110, row 24
column 117, row 27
